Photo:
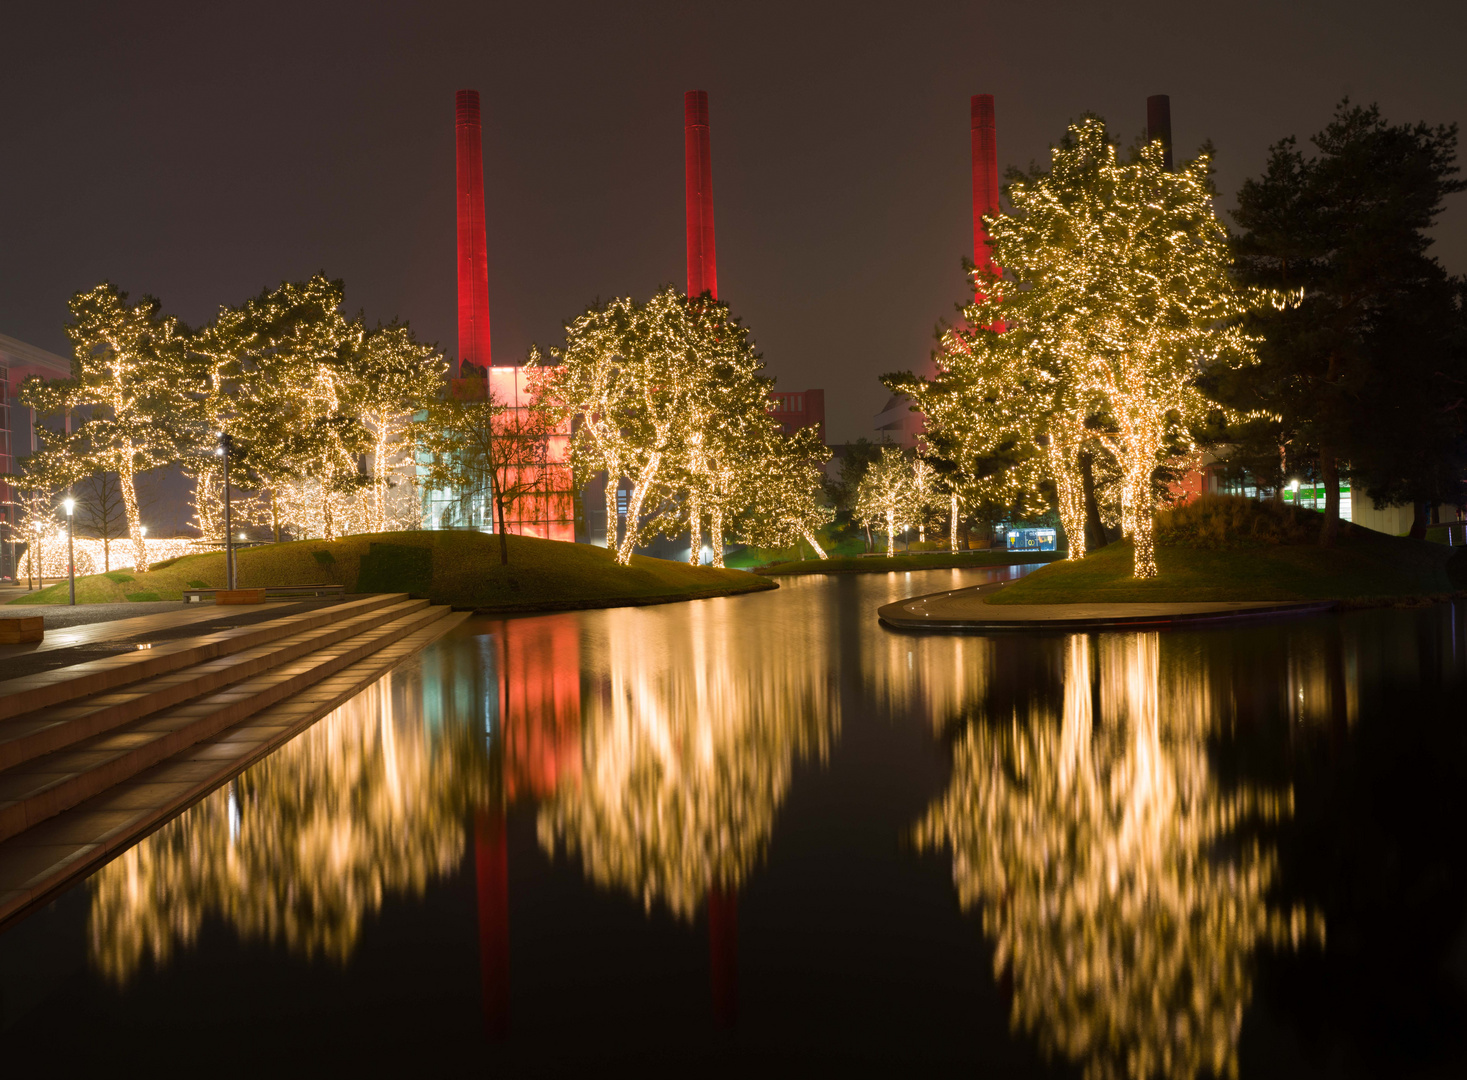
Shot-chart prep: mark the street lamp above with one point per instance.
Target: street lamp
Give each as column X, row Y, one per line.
column 226, row 444
column 70, row 505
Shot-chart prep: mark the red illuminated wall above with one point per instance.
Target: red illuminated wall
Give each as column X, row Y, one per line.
column 794, row 409
column 549, row 511
column 473, row 255
column 698, row 195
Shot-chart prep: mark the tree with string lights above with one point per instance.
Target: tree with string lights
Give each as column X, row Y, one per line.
column 787, row 492
column 671, row 398
column 130, row 381
column 886, row 495
column 1115, row 298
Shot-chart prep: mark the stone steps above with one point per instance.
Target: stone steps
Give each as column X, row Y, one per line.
column 50, row 728
column 60, row 685
column 157, row 717
column 50, row 856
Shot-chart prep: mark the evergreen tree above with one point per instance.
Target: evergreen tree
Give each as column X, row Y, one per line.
column 1364, row 373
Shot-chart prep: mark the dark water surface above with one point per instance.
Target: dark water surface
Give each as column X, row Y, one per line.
column 764, row 832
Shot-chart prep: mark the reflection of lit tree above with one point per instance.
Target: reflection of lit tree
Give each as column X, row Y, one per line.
column 299, row 849
column 1114, row 878
column 688, row 750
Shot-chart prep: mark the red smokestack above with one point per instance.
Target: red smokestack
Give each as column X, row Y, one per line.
column 985, row 176
column 1159, row 124
column 473, row 253
column 698, row 176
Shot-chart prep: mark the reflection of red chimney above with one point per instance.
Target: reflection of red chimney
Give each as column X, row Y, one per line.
column 1159, row 124
column 723, row 954
column 473, row 254
column 698, row 179
column 985, row 176
column 491, row 873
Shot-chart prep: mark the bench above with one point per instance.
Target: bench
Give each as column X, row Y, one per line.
column 24, row 631
column 269, row 592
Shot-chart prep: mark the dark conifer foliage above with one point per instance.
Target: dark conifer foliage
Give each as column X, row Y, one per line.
column 1366, row 375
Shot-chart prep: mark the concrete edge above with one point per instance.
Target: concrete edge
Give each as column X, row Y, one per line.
column 891, row 615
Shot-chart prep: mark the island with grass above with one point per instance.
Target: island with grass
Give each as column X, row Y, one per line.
column 459, row 568
column 1227, row 548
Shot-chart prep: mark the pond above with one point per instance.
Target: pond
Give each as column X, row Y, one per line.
column 765, row 831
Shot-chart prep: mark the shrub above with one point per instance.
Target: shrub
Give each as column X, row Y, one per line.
column 1231, row 521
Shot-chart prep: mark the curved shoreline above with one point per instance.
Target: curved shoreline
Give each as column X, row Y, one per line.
column 967, row 609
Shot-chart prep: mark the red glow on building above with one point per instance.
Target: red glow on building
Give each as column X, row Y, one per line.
column 538, row 457
column 698, row 195
column 795, row 409
column 473, row 253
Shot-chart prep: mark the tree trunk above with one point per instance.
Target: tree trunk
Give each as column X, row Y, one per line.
column 106, row 555
column 952, row 535
column 890, row 534
column 814, row 544
column 695, row 532
column 1420, row 519
column 634, row 507
column 379, row 480
column 1329, row 471
column 1143, row 539
column 715, row 528
column 612, row 484
column 134, row 518
column 1094, row 527
column 503, row 536
column 870, row 543
column 1069, row 496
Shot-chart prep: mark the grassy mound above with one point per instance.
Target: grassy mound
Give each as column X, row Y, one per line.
column 458, row 568
column 1220, row 552
column 1228, row 522
column 923, row 560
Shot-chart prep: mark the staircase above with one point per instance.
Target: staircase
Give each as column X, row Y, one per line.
column 72, row 735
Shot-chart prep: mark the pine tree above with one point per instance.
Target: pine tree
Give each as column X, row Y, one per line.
column 1360, row 376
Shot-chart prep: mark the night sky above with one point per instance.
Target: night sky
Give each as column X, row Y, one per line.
column 200, row 152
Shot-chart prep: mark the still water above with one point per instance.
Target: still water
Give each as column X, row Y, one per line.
column 766, row 832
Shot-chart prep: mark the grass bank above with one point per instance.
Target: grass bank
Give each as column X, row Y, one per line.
column 1364, row 566
column 921, row 560
column 458, row 568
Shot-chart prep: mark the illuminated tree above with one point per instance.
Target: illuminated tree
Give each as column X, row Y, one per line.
column 1115, row 298
column 886, row 494
column 670, row 397
column 589, row 385
column 130, row 379
column 786, row 487
column 389, row 379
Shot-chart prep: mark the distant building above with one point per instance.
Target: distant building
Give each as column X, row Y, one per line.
column 795, row 409
column 898, row 423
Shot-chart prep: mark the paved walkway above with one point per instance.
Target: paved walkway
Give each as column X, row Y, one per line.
column 967, row 609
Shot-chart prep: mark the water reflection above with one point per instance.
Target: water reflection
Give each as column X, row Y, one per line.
column 1124, row 890
column 691, row 728
column 299, row 849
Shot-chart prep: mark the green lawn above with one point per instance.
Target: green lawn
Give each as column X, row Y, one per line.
column 924, row 560
column 458, row 568
column 1363, row 565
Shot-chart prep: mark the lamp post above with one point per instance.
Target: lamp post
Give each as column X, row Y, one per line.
column 70, row 505
column 226, row 444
